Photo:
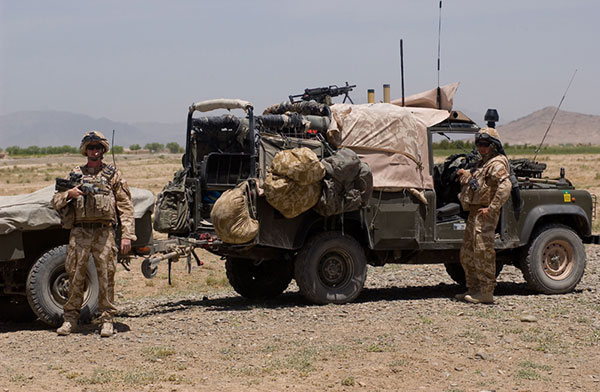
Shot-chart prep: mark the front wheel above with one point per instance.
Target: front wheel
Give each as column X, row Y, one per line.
column 48, row 287
column 554, row 261
column 265, row 279
column 331, row 268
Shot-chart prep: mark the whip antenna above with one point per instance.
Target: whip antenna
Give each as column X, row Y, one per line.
column 112, row 148
column 553, row 117
column 439, row 93
column 402, row 69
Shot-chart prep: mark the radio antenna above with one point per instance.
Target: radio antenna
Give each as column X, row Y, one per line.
column 402, row 69
column 112, row 148
column 439, row 92
column 554, row 116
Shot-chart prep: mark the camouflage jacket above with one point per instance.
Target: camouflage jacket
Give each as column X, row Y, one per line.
column 487, row 184
column 114, row 195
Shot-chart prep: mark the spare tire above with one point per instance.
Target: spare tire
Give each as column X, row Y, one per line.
column 48, row 287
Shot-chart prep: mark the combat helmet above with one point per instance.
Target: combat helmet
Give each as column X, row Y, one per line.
column 93, row 137
column 492, row 137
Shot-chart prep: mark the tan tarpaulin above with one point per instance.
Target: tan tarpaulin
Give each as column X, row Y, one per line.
column 428, row 99
column 392, row 140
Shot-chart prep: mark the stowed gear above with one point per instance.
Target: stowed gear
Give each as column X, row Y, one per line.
column 93, row 137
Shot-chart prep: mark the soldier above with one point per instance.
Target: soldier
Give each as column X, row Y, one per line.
column 94, row 208
column 484, row 190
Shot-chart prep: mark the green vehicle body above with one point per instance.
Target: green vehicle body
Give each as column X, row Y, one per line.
column 545, row 239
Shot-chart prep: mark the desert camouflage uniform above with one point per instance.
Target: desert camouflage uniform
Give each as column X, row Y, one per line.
column 93, row 232
column 477, row 254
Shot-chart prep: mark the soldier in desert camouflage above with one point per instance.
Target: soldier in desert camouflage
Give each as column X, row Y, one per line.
column 484, row 190
column 93, row 231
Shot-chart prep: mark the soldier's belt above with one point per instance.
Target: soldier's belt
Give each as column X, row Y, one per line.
column 92, row 225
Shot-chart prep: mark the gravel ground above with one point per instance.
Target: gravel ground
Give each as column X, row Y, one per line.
column 405, row 332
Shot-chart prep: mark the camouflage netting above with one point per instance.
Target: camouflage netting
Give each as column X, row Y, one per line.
column 293, row 181
column 231, row 217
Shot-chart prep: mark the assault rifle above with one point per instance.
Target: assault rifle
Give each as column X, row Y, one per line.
column 76, row 180
column 324, row 94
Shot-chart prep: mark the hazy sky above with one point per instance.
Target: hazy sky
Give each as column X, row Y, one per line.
column 134, row 60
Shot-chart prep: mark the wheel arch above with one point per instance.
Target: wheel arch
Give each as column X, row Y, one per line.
column 572, row 216
column 351, row 226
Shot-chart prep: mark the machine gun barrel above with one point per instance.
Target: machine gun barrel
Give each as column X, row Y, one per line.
column 323, row 94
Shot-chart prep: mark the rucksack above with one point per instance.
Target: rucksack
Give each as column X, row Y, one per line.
column 171, row 214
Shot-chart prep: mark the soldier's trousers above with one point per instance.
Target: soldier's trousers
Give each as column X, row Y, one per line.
column 477, row 254
column 100, row 243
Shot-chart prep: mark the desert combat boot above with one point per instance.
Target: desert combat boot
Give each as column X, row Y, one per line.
column 461, row 296
column 65, row 329
column 480, row 298
column 107, row 330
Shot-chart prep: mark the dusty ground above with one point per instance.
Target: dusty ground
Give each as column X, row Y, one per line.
column 404, row 332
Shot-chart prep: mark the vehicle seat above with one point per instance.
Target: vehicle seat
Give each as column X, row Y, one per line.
column 448, row 212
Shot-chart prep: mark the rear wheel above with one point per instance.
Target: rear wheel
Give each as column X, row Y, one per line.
column 258, row 280
column 554, row 261
column 331, row 268
column 48, row 287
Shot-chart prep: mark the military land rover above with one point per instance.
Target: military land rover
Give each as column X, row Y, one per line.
column 404, row 209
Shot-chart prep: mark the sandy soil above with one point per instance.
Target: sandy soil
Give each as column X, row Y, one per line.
column 404, row 332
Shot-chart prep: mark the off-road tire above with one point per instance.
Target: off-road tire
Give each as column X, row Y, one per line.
column 263, row 280
column 331, row 268
column 47, row 287
column 554, row 261
column 457, row 273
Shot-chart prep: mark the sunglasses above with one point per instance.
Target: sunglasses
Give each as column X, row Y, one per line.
column 483, row 143
column 94, row 147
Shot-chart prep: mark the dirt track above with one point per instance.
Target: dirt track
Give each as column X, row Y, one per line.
column 403, row 333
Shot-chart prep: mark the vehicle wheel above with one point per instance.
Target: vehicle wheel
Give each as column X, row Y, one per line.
column 457, row 273
column 555, row 261
column 252, row 280
column 331, row 268
column 48, row 287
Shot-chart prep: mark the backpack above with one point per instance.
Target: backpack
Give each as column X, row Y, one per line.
column 171, row 214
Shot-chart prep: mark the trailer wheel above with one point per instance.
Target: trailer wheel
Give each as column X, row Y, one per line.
column 262, row 280
column 554, row 261
column 331, row 268
column 48, row 287
column 457, row 273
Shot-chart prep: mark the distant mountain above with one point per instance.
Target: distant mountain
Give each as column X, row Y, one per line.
column 54, row 128
column 568, row 128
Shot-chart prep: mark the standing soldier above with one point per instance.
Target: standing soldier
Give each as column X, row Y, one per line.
column 94, row 208
column 484, row 190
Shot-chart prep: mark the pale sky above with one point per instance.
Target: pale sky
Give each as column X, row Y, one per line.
column 148, row 60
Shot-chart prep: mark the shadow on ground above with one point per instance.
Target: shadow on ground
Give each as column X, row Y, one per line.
column 294, row 299
column 287, row 300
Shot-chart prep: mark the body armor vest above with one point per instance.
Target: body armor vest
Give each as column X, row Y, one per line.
column 100, row 205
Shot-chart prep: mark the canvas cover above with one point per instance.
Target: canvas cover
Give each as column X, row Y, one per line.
column 428, row 99
column 33, row 211
column 391, row 139
column 231, row 218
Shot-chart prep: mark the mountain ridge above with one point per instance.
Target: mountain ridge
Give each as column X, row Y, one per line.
column 57, row 128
